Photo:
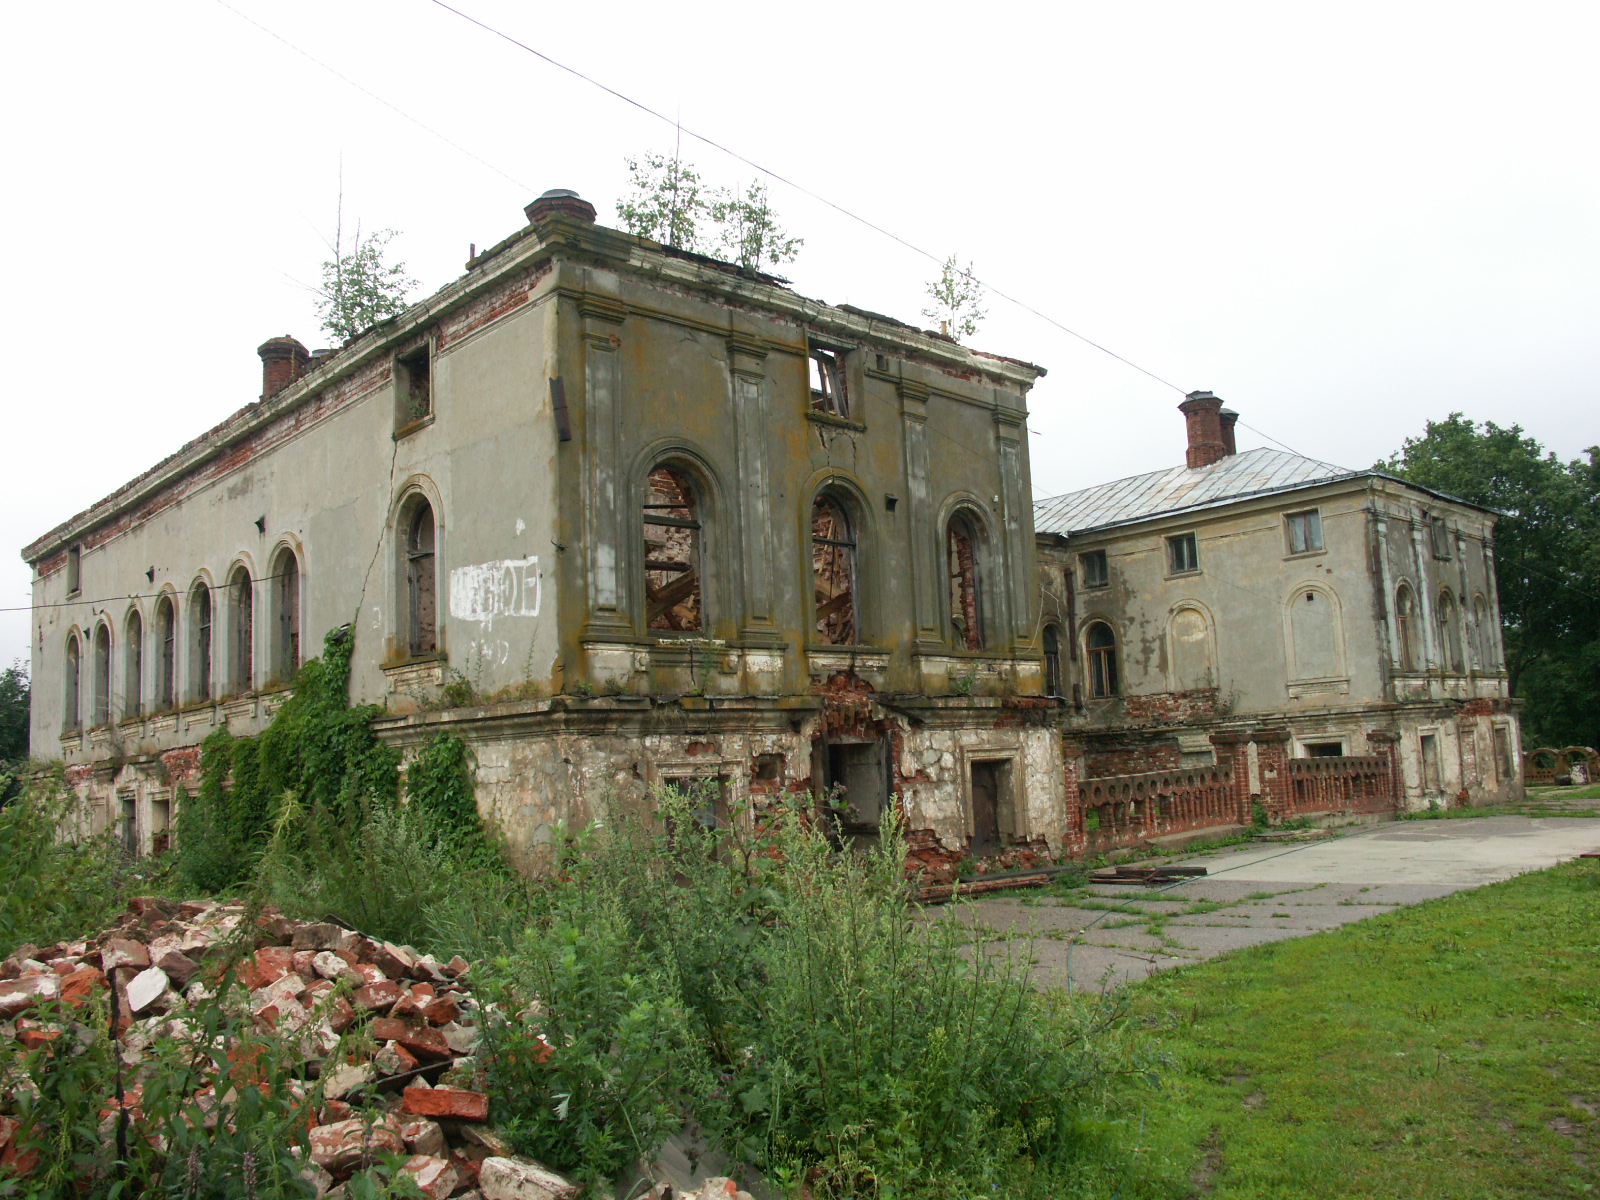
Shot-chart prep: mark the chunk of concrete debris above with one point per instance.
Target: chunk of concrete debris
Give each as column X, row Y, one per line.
column 19, row 995
column 147, row 987
column 340, row 1082
column 345, row 1145
column 519, row 1178
column 330, row 966
column 394, row 1059
column 435, row 1177
column 123, row 952
column 322, row 935
column 423, row 1136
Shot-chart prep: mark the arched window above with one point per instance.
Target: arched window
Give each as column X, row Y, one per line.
column 101, row 712
column 1449, row 632
column 133, row 666
column 833, row 571
column 200, row 614
column 1405, row 631
column 242, row 600
column 1189, row 645
column 1316, row 645
column 72, row 717
column 286, row 614
column 166, row 652
column 1102, row 644
column 422, row 586
column 963, row 556
column 672, row 596
column 1052, row 661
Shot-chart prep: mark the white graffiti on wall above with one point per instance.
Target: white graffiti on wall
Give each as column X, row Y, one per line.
column 508, row 588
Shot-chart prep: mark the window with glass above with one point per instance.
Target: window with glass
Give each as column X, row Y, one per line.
column 1096, row 573
column 1102, row 646
column 1305, row 531
column 1183, row 554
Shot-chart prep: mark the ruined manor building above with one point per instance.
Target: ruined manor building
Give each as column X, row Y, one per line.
column 618, row 515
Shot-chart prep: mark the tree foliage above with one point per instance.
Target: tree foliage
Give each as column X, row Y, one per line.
column 1547, row 554
column 670, row 204
column 359, row 288
column 957, row 297
column 14, row 693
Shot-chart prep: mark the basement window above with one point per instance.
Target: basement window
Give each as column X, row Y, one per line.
column 413, row 386
column 1095, row 571
column 828, row 393
column 1183, row 554
column 1305, row 531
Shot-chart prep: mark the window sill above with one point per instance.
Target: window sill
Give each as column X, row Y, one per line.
column 411, row 427
column 1293, row 555
column 1183, row 574
column 823, row 418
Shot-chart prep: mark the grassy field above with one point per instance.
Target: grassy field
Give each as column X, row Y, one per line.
column 1447, row 1050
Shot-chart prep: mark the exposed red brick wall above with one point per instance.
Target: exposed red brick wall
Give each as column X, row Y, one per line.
column 1170, row 708
column 1131, row 760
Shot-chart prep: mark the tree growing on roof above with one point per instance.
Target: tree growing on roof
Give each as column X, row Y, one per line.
column 669, row 204
column 360, row 289
column 747, row 229
column 956, row 295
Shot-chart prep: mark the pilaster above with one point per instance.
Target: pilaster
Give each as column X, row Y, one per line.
column 919, row 513
column 601, row 320
column 1272, row 761
column 748, row 395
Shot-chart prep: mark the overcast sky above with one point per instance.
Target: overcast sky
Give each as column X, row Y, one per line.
column 1344, row 219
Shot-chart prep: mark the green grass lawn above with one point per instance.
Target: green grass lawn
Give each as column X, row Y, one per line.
column 1447, row 1050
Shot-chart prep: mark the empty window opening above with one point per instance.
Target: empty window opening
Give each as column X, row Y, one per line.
column 672, row 591
column 1095, row 571
column 1405, row 628
column 241, row 595
column 133, row 667
column 200, row 606
column 827, row 382
column 966, row 579
column 769, row 768
column 166, row 651
column 1052, row 661
column 833, row 572
column 414, row 385
column 102, row 676
column 696, row 807
column 858, row 778
column 71, row 716
column 1183, row 554
column 1430, row 763
column 160, row 826
column 422, row 589
column 1102, row 661
column 129, row 825
column 286, row 586
column 1449, row 632
column 1305, row 531
column 74, row 570
column 1324, row 749
column 1502, row 754
column 990, row 808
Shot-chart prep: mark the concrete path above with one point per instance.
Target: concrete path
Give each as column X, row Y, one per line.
column 1268, row 892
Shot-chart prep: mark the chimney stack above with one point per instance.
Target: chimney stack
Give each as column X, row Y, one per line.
column 1208, row 439
column 1229, row 419
column 560, row 200
column 282, row 361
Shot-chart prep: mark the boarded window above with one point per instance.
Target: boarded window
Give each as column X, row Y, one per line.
column 286, row 589
column 133, row 667
column 1102, row 645
column 1190, row 640
column 200, row 607
column 1502, row 754
column 1483, row 634
column 1314, row 626
column 1305, row 531
column 241, row 597
column 166, row 652
column 672, row 584
column 1449, row 632
column 72, row 716
column 1183, row 554
column 1095, row 572
column 102, row 675
column 1430, row 763
column 827, row 382
column 965, row 568
column 1052, row 661
column 1405, row 628
column 422, row 587
column 833, row 571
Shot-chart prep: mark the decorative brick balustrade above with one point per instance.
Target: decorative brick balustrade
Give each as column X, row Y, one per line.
column 1124, row 810
column 1351, row 784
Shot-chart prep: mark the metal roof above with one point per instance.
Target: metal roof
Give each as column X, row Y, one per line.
column 1179, row 488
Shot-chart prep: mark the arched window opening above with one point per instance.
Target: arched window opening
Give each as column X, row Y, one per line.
column 966, row 579
column 133, row 666
column 422, row 588
column 102, row 676
column 242, row 597
column 1102, row 661
column 200, row 609
column 1189, row 644
column 166, row 652
column 833, row 571
column 1052, row 661
column 1405, row 632
column 1314, row 633
column 71, row 717
column 1449, row 631
column 286, row 642
column 672, row 596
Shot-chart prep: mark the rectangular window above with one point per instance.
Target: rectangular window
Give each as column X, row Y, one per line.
column 74, row 569
column 1430, row 762
column 1305, row 531
column 828, row 393
column 1324, row 749
column 1441, row 538
column 413, row 387
column 128, row 799
column 1095, row 572
column 1183, row 555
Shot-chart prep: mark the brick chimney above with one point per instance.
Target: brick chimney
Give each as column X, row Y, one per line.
column 1207, row 444
column 282, row 361
column 560, row 200
column 1229, row 419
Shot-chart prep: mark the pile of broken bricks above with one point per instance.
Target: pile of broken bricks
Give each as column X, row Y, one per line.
column 419, row 1094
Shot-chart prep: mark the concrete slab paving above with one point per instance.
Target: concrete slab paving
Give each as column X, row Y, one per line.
column 1257, row 893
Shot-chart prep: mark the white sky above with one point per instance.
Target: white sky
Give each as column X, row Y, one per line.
column 1344, row 219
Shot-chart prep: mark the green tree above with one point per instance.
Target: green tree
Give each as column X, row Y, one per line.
column 956, row 295
column 747, row 229
column 666, row 204
column 14, row 692
column 359, row 289
column 1547, row 554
